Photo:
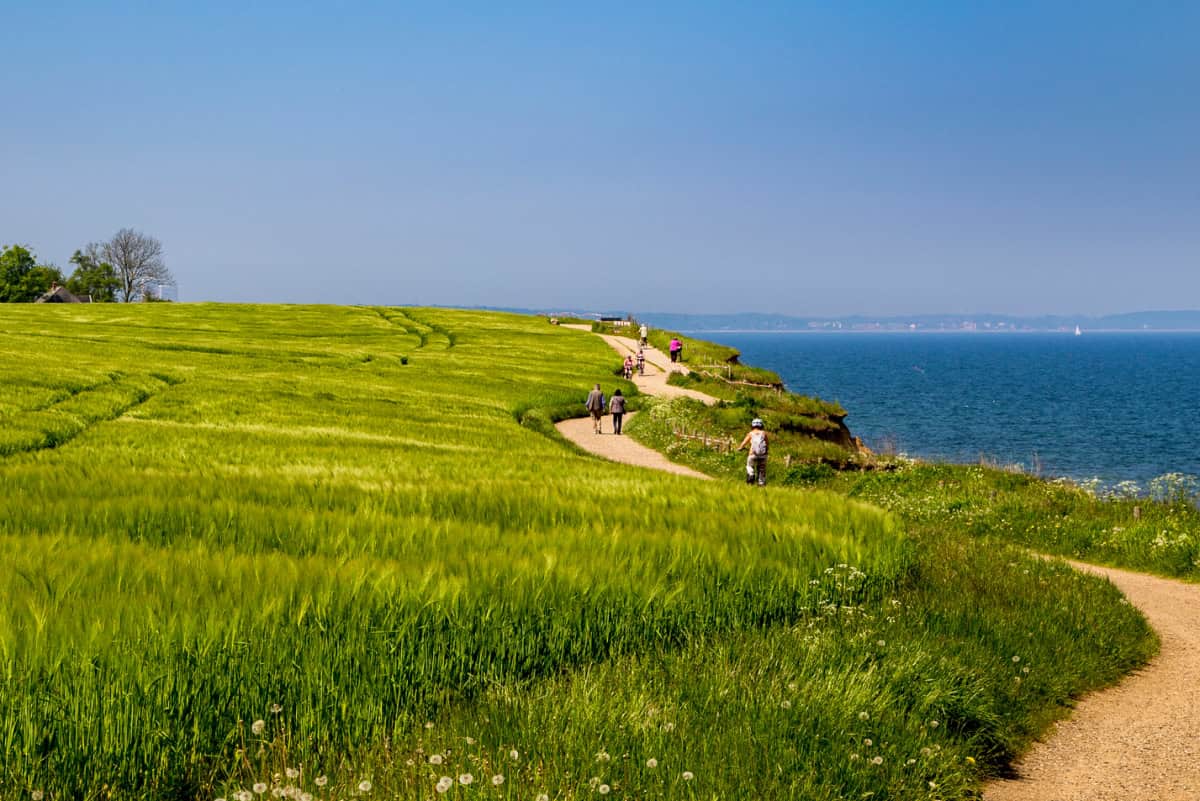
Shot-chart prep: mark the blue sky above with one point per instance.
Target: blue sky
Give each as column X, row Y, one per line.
column 823, row 158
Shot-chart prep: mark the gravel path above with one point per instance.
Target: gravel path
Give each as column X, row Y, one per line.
column 1137, row 741
column 622, row 448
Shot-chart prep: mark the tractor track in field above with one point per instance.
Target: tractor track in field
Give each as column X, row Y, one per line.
column 1135, row 741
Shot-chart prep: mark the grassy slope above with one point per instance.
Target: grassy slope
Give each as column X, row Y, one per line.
column 209, row 510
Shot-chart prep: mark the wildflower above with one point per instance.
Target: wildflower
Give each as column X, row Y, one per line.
column 444, row 784
column 652, row 763
column 258, row 727
column 603, row 789
column 435, row 759
column 877, row 760
column 602, row 756
column 498, row 779
column 514, row 755
column 542, row 797
column 933, row 724
column 792, row 686
column 1016, row 658
column 305, row 797
column 786, row 704
column 854, row 757
column 868, row 742
column 926, row 752
column 881, row 643
column 668, row 726
column 364, row 786
column 1025, row 669
column 38, row 795
column 910, row 762
column 470, row 741
column 465, row 778
column 688, row 775
column 429, row 724
column 321, row 781
column 276, row 709
column 970, row 760
column 933, row 785
column 864, row 716
column 292, row 773
column 260, row 788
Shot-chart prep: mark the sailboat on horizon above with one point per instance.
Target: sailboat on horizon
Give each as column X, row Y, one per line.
column 1078, row 332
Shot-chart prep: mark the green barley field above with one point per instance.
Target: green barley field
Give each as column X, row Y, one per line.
column 329, row 553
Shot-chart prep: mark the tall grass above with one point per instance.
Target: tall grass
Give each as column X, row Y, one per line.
column 361, row 519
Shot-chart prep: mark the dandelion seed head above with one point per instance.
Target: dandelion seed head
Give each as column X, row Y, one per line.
column 603, row 756
column 364, row 786
column 868, row 742
column 321, row 781
column 276, row 709
column 465, row 778
column 514, row 755
column 444, row 784
column 1016, row 658
column 260, row 788
column 652, row 763
column 881, row 643
column 435, row 759
column 877, row 760
column 542, row 797
column 292, row 773
column 854, row 757
column 258, row 727
column 786, row 704
column 38, row 795
column 864, row 716
column 305, row 797
column 498, row 779
column 470, row 741
column 603, row 789
column 933, row 724
column 688, row 775
column 429, row 724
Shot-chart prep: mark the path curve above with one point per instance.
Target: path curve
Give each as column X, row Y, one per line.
column 1136, row 741
column 654, row 382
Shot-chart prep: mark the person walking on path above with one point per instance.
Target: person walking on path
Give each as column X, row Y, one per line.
column 595, row 405
column 756, row 462
column 616, row 407
column 641, row 362
column 676, row 348
column 644, row 332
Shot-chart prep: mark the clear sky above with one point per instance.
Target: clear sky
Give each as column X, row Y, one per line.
column 803, row 158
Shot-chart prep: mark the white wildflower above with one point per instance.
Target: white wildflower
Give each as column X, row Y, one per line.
column 498, row 779
column 435, row 759
column 260, row 788
column 465, row 778
column 258, row 727
column 868, row 742
column 786, row 704
column 292, row 773
column 321, row 781
column 276, row 709
column 603, row 789
column 514, row 755
column 542, row 797
column 688, row 775
column 877, row 760
column 364, row 786
column 652, row 763
column 444, row 784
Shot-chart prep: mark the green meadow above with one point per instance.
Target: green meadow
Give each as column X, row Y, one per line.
column 331, row 553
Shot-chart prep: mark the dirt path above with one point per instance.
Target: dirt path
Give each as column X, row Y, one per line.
column 1136, row 741
column 623, row 448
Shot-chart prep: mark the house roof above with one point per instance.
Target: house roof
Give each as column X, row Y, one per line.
column 59, row 295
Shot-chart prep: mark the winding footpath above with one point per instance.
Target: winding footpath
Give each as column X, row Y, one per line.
column 1137, row 741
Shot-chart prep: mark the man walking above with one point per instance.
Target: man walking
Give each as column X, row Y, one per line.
column 756, row 462
column 595, row 406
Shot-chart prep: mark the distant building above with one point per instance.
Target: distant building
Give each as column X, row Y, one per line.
column 59, row 294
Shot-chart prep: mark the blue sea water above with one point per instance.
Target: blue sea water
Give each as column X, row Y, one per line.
column 1113, row 406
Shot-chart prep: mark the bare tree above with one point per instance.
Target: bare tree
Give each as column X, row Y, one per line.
column 138, row 260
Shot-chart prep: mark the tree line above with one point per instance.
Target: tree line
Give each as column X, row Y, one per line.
column 125, row 268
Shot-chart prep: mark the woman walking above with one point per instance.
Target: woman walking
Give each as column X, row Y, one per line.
column 756, row 462
column 617, row 407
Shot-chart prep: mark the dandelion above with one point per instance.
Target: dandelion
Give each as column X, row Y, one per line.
column 652, row 763
column 926, row 752
column 38, row 795
column 305, row 797
column 498, row 779
column 602, row 756
column 514, row 755
column 970, row 760
column 792, row 686
column 603, row 789
column 1025, row 669
column 1016, row 658
column 276, row 709
column 470, row 741
column 429, row 724
column 854, row 757
column 444, row 784
column 877, row 760
column 933, row 724
column 321, row 781
column 881, row 643
column 933, row 785
column 786, row 704
column 864, row 716
column 465, row 778
column 688, row 775
column 260, row 788
column 668, row 726
column 542, row 797
column 258, row 727
column 435, row 759
column 868, row 742
column 364, row 786
column 910, row 762
column 292, row 773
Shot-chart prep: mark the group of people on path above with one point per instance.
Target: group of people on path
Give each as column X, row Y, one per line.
column 597, row 404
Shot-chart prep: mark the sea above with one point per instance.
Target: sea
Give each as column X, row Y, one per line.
column 1106, row 407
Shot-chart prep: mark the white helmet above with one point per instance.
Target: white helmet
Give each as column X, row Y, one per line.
column 756, row 423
